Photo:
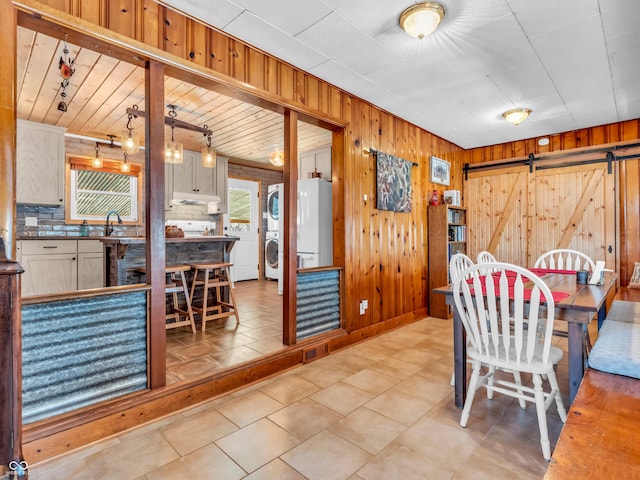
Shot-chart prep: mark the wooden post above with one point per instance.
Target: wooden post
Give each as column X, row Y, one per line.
column 154, row 220
column 290, row 228
column 10, row 370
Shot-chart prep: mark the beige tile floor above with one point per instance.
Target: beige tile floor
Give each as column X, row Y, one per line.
column 382, row 409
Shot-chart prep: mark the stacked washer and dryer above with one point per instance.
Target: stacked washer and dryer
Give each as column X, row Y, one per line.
column 273, row 249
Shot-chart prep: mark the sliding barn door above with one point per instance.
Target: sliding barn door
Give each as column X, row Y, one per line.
column 496, row 204
column 574, row 207
column 517, row 215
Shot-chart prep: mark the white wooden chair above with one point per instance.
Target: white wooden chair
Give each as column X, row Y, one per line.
column 565, row 259
column 486, row 257
column 510, row 333
column 458, row 263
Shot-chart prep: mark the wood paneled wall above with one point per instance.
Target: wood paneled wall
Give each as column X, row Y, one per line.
column 385, row 253
column 629, row 178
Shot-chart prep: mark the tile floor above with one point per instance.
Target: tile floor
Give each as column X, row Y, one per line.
column 382, row 409
column 224, row 343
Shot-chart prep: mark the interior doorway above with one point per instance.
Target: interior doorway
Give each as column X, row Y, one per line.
column 242, row 221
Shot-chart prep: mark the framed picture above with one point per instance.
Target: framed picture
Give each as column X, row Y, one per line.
column 440, row 171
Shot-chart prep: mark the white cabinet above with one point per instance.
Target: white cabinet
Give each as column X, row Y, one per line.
column 50, row 266
column 221, row 184
column 315, row 160
column 39, row 163
column 90, row 264
column 56, row 266
column 190, row 180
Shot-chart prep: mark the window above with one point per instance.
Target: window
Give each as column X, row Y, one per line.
column 239, row 210
column 92, row 193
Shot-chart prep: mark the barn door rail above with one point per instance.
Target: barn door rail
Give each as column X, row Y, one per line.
column 609, row 157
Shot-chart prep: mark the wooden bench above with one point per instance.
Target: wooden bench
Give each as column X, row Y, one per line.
column 601, row 438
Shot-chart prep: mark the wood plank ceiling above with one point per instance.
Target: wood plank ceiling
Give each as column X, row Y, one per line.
column 102, row 88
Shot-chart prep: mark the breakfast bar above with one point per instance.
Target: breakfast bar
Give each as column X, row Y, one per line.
column 125, row 256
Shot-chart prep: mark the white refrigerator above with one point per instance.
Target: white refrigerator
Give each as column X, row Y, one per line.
column 315, row 232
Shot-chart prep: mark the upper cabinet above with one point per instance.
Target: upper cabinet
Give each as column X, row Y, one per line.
column 315, row 161
column 39, row 163
column 190, row 180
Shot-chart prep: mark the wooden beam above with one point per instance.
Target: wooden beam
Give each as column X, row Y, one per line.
column 154, row 221
column 290, row 245
column 171, row 122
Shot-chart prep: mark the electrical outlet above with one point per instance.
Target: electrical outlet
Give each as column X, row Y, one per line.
column 362, row 309
column 31, row 221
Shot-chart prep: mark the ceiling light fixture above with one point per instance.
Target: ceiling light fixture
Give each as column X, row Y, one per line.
column 130, row 139
column 173, row 150
column 96, row 161
column 517, row 115
column 422, row 19
column 277, row 159
column 208, row 152
column 125, row 167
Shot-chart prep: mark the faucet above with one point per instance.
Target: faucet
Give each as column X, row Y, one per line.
column 108, row 228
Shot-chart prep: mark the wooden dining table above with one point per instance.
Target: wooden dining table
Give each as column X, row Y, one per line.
column 578, row 308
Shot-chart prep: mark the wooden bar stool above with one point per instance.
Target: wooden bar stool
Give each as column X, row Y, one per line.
column 216, row 276
column 177, row 283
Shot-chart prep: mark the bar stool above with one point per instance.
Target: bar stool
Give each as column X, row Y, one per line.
column 177, row 283
column 216, row 276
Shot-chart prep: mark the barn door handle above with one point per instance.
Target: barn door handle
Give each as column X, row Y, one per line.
column 610, row 249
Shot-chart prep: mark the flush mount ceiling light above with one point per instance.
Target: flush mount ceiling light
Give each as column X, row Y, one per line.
column 517, row 115
column 422, row 19
column 277, row 159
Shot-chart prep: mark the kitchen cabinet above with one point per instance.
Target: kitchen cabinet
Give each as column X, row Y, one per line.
column 315, row 160
column 56, row 266
column 90, row 264
column 192, row 181
column 50, row 266
column 39, row 163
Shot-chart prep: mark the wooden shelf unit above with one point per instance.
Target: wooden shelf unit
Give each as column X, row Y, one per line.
column 447, row 236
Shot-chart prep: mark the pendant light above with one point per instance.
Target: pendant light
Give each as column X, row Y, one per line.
column 173, row 150
column 130, row 139
column 125, row 167
column 208, row 152
column 97, row 160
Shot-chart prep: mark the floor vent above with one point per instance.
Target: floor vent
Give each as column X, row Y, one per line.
column 314, row 353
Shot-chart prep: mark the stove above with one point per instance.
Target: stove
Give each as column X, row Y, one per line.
column 192, row 228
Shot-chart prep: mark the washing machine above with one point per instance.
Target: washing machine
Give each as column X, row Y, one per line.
column 271, row 256
column 274, row 205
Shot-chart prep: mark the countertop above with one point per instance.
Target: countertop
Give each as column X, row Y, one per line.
column 214, row 238
column 211, row 238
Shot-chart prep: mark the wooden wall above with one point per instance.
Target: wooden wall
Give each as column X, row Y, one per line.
column 628, row 182
column 384, row 253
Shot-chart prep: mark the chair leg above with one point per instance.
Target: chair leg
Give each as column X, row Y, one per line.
column 518, row 381
column 205, row 296
column 490, row 379
column 553, row 382
column 542, row 416
column 471, row 392
column 187, row 299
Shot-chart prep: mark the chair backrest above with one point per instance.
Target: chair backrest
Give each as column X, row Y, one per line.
column 511, row 310
column 458, row 263
column 565, row 259
column 486, row 257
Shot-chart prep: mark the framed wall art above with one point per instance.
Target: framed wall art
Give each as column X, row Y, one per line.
column 440, row 171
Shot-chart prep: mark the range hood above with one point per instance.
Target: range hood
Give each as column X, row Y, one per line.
column 192, row 198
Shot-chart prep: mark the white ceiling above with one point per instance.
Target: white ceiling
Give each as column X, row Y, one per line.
column 575, row 63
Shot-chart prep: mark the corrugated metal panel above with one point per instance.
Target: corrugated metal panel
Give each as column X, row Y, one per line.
column 318, row 308
column 80, row 352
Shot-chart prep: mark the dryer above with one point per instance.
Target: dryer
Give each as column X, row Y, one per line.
column 272, row 256
column 274, row 206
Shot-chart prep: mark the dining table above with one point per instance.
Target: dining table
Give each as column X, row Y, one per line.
column 580, row 303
